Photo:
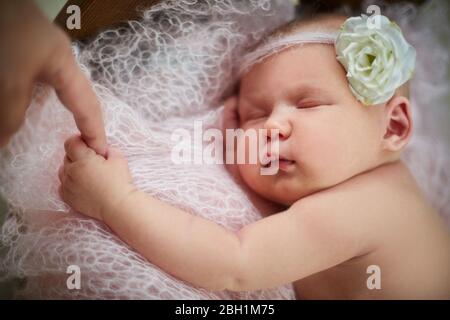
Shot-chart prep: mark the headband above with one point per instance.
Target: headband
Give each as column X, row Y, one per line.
column 372, row 50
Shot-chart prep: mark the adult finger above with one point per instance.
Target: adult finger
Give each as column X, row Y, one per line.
column 76, row 149
column 76, row 93
column 14, row 99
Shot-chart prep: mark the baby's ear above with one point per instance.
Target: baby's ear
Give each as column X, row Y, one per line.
column 398, row 123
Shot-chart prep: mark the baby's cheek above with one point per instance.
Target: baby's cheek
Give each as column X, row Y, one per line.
column 250, row 174
column 322, row 154
column 248, row 147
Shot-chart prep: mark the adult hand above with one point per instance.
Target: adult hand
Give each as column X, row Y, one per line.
column 33, row 49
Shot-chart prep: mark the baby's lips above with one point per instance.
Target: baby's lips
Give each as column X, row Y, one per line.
column 268, row 158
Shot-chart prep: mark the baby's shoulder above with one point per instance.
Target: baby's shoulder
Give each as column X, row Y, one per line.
column 372, row 201
column 383, row 187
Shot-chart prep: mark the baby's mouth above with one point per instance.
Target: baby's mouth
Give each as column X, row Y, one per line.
column 283, row 163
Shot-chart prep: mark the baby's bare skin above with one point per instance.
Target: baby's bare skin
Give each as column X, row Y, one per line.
column 408, row 241
column 405, row 238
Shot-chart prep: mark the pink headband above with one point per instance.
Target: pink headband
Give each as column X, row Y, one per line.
column 275, row 45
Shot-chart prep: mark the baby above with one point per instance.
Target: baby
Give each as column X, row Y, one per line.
column 352, row 225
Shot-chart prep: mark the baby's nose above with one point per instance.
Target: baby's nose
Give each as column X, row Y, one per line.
column 274, row 133
column 278, row 123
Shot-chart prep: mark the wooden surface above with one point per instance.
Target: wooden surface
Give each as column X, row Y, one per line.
column 97, row 15
column 315, row 6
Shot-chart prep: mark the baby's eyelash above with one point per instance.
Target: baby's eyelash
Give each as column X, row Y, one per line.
column 306, row 105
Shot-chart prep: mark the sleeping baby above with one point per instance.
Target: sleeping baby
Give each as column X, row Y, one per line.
column 351, row 224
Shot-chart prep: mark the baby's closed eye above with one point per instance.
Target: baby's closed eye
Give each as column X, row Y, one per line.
column 307, row 104
column 310, row 102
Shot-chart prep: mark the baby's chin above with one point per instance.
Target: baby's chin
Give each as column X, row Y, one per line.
column 285, row 198
column 275, row 188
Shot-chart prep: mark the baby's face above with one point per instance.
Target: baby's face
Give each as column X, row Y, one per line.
column 326, row 135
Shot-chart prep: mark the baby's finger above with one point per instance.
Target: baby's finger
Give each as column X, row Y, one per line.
column 76, row 149
column 61, row 174
column 60, row 192
column 67, row 161
column 64, row 194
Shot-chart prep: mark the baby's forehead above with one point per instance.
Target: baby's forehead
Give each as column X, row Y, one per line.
column 298, row 64
column 307, row 80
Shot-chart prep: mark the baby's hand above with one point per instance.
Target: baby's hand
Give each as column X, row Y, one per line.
column 91, row 184
column 230, row 119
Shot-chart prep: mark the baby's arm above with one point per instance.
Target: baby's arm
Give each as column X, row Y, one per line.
column 279, row 249
column 275, row 250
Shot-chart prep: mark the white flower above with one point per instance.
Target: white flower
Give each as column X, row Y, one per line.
column 377, row 59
